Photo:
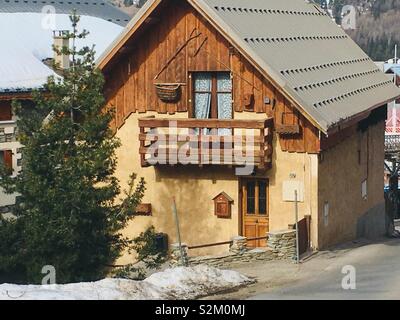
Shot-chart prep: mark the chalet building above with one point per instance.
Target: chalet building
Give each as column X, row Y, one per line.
column 235, row 108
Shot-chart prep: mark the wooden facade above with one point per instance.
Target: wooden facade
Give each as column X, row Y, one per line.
column 5, row 110
column 176, row 41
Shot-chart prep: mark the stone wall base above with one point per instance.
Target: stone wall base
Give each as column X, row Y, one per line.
column 281, row 245
column 230, row 258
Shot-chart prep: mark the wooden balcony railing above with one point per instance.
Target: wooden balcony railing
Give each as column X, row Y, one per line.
column 205, row 142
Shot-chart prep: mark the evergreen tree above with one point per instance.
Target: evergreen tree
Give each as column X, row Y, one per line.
column 68, row 214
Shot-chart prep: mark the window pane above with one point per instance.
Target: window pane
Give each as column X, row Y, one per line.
column 225, row 111
column 202, row 101
column 262, row 197
column 251, row 197
column 225, row 106
column 202, row 82
column 224, row 82
column 202, row 105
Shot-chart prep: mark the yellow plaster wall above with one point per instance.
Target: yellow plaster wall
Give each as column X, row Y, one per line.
column 195, row 187
column 340, row 178
column 293, row 167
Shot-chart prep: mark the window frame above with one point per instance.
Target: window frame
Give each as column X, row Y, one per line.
column 214, row 92
column 257, row 198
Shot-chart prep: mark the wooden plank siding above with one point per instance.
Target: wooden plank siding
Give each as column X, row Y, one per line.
column 130, row 78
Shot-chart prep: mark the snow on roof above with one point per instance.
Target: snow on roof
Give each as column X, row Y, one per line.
column 392, row 68
column 95, row 8
column 28, row 39
column 20, row 70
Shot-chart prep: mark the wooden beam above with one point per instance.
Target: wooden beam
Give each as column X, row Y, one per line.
column 16, row 96
column 206, row 123
column 193, row 138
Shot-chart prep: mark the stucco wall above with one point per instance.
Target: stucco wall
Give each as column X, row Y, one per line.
column 195, row 187
column 341, row 173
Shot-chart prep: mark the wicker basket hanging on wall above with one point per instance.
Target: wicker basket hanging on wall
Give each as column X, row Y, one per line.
column 168, row 92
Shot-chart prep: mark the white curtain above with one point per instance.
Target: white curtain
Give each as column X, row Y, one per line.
column 202, row 85
column 224, row 84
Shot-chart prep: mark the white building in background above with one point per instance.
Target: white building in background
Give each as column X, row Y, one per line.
column 27, row 39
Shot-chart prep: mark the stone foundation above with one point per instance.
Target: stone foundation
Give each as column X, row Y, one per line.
column 281, row 245
column 239, row 245
column 231, row 258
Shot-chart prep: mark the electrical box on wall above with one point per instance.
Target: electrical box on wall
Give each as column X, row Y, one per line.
column 364, row 190
column 288, row 191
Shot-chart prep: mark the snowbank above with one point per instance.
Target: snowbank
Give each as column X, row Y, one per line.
column 177, row 283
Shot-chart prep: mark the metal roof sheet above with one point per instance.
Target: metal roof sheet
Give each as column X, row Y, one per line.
column 95, row 8
column 316, row 64
column 315, row 60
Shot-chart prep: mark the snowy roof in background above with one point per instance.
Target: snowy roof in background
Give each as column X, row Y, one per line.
column 392, row 67
column 20, row 70
column 94, row 8
column 29, row 40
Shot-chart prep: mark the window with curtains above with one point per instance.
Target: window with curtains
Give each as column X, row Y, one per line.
column 212, row 96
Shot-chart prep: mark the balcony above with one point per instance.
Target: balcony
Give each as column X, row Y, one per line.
column 235, row 143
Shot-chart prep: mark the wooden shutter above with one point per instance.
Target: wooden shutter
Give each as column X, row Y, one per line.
column 5, row 111
column 8, row 159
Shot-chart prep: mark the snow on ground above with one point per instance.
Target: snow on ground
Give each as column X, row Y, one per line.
column 178, row 283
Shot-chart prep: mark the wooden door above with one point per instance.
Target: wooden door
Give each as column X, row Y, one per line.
column 255, row 215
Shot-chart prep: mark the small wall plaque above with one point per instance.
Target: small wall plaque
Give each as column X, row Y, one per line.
column 144, row 209
column 223, row 205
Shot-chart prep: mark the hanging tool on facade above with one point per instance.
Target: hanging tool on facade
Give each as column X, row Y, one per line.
column 184, row 45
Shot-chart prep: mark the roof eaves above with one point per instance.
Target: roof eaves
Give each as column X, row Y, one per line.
column 334, row 127
column 130, row 28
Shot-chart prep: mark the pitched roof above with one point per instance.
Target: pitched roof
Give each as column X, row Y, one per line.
column 224, row 194
column 96, row 8
column 300, row 49
column 22, row 71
